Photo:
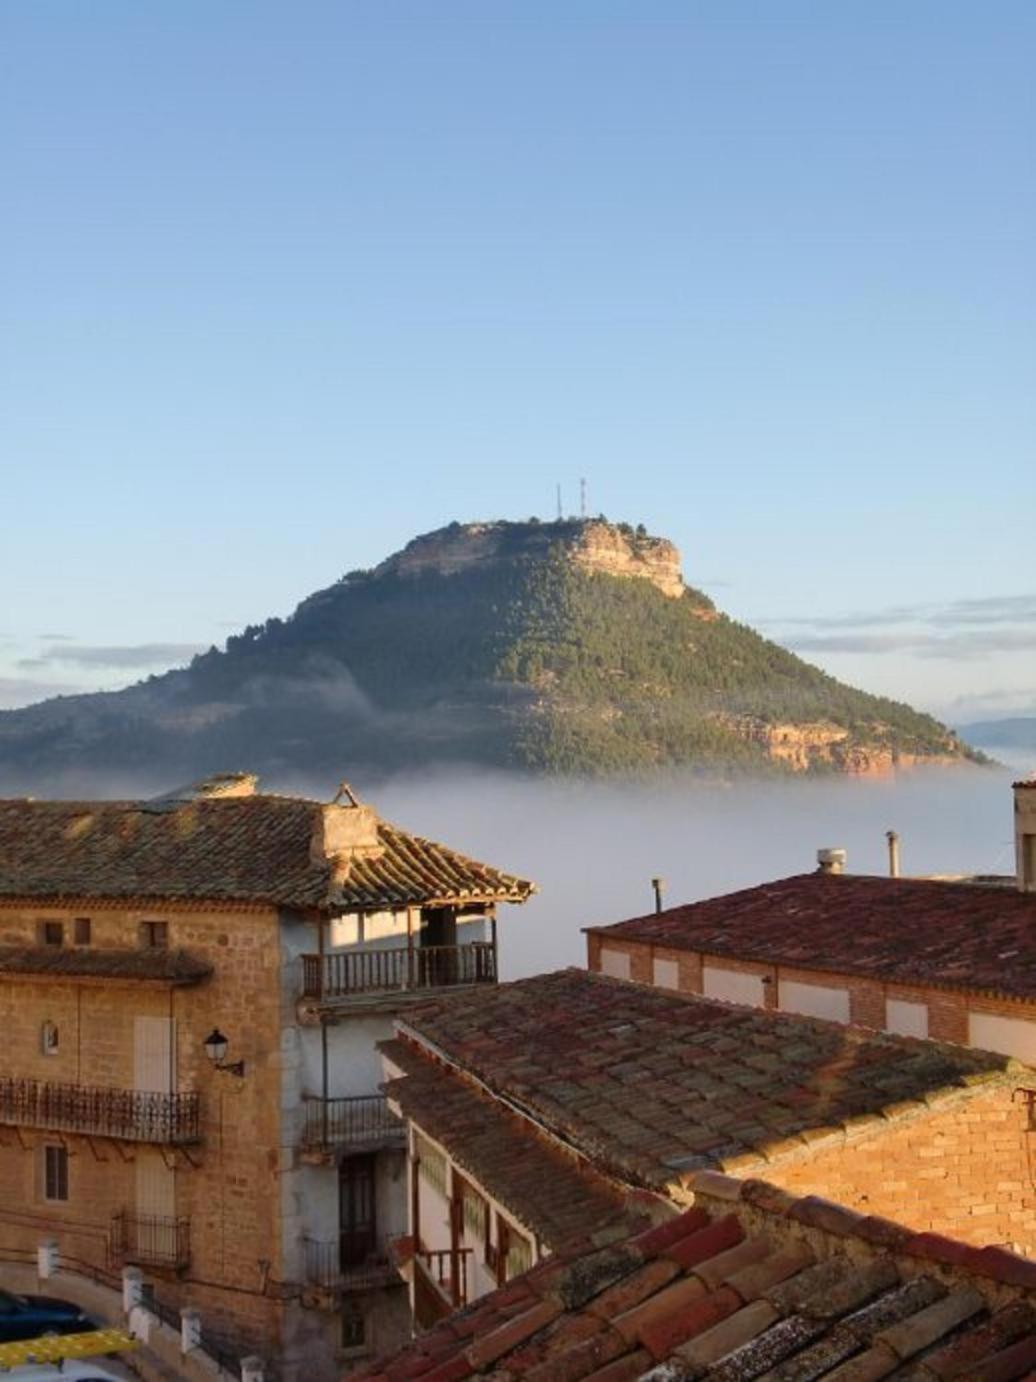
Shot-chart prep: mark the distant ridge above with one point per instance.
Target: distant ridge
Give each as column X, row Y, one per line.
column 563, row 648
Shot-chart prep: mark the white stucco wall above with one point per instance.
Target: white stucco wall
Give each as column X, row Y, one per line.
column 666, row 974
column 906, row 1019
column 1012, row 1036
column 732, row 986
column 814, row 1000
column 615, row 963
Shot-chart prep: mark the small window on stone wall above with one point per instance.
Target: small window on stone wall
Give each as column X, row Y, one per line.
column 52, row 933
column 55, row 1173
column 82, row 930
column 154, row 935
column 49, row 1039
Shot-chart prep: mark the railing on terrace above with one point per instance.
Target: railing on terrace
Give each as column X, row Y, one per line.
column 150, row 1240
column 448, row 1268
column 362, row 1121
column 345, row 973
column 332, row 1269
column 129, row 1115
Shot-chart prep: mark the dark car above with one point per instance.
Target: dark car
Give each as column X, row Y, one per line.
column 28, row 1317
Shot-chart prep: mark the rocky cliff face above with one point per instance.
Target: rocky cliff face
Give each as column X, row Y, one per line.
column 591, row 544
column 806, row 747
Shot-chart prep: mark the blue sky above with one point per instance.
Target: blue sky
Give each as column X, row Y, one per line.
column 284, row 285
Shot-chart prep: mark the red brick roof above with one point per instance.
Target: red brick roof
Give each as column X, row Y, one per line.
column 249, row 849
column 748, row 1283
column 648, row 1084
column 913, row 931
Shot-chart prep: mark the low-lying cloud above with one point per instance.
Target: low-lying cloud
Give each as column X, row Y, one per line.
column 116, row 656
column 954, row 630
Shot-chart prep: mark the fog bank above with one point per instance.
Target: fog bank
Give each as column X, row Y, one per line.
column 593, row 848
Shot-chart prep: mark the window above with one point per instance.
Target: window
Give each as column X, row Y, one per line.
column 154, row 935
column 354, row 1329
column 82, row 930
column 49, row 1039
column 432, row 1163
column 52, row 932
column 55, row 1173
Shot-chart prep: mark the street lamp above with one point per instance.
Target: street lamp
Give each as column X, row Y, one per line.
column 216, row 1045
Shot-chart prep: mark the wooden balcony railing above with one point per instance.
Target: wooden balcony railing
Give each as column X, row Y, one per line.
column 129, row 1115
column 346, row 973
column 363, row 1123
column 448, row 1268
column 330, row 1268
column 149, row 1240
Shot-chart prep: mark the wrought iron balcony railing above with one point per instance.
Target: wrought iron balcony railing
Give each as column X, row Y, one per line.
column 150, row 1240
column 363, row 1123
column 347, row 973
column 129, row 1115
column 332, row 1266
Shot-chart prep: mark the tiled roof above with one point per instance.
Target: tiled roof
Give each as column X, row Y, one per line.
column 250, row 849
column 553, row 1194
column 56, row 962
column 727, row 1294
column 914, row 931
column 648, row 1084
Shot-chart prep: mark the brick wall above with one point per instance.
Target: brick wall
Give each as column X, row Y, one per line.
column 947, row 1009
column 968, row 1171
column 228, row 1185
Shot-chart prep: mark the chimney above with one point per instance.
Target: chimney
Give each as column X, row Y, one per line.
column 224, row 785
column 342, row 834
column 832, row 860
column 658, row 884
column 1025, row 834
column 893, row 840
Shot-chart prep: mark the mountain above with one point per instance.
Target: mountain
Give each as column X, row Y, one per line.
column 1017, row 732
column 569, row 647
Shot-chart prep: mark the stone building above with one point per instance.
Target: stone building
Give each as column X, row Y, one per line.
column 190, row 993
column 951, row 960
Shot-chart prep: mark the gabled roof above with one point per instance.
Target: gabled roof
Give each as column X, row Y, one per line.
column 912, row 931
column 649, row 1085
column 552, row 1193
column 252, row 850
column 727, row 1291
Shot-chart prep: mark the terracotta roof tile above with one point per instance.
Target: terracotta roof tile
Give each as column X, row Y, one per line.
column 248, row 849
column 850, row 1315
column 913, row 931
column 610, row 1038
column 545, row 1188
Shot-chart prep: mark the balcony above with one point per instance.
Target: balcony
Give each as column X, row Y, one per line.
column 348, row 974
column 333, row 1267
column 128, row 1115
column 149, row 1240
column 361, row 1124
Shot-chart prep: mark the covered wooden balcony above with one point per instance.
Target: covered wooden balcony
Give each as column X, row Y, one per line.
column 127, row 1115
column 362, row 1123
column 346, row 974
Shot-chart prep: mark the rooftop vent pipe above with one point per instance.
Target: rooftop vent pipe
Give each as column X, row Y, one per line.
column 893, row 840
column 658, row 884
column 832, row 860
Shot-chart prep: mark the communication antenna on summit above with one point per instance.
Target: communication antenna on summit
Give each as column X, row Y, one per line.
column 582, row 498
column 559, row 504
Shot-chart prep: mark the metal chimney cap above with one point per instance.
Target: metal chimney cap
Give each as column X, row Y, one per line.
column 832, row 860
